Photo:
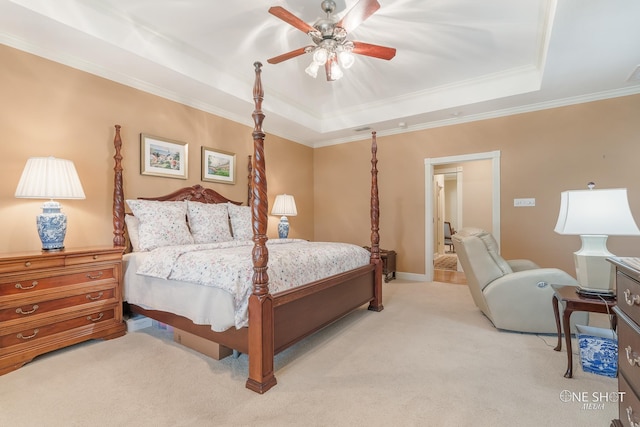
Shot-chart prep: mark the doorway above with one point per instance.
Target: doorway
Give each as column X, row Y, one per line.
column 430, row 201
column 447, row 182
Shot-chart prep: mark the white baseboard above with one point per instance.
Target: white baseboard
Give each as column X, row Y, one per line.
column 411, row 276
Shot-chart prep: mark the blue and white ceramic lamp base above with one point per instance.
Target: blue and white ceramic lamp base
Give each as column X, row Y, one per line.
column 283, row 227
column 52, row 226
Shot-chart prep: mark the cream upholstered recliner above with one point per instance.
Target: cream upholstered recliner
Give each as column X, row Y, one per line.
column 515, row 295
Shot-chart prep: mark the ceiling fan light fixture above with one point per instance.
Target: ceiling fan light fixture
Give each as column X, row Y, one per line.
column 346, row 59
column 332, row 48
column 320, row 56
column 336, row 72
column 312, row 69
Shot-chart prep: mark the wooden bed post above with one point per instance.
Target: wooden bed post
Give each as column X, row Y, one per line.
column 118, row 194
column 261, row 322
column 376, row 303
column 250, row 178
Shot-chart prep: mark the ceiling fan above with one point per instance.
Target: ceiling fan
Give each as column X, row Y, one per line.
column 332, row 49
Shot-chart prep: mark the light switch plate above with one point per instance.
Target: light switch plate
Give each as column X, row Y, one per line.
column 524, row 202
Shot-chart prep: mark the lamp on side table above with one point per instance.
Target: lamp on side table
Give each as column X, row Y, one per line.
column 594, row 215
column 50, row 178
column 284, row 205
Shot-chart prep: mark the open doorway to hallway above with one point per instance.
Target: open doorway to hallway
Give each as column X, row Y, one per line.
column 477, row 201
column 447, row 184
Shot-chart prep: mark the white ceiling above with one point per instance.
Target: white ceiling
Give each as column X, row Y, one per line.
column 456, row 61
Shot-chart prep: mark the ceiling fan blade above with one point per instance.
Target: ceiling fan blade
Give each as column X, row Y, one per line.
column 358, row 14
column 374, row 50
column 291, row 19
column 288, row 55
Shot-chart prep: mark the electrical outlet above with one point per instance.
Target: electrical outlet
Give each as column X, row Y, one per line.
column 524, row 202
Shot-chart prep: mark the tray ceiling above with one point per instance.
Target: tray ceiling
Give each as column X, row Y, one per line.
column 456, row 61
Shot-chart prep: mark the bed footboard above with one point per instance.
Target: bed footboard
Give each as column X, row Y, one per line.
column 301, row 311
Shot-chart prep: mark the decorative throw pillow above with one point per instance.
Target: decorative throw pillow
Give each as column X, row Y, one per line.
column 161, row 223
column 209, row 223
column 240, row 222
column 133, row 230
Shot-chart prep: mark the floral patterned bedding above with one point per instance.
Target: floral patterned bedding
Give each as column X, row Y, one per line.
column 229, row 266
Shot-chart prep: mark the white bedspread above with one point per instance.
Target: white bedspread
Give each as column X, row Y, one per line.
column 229, row 266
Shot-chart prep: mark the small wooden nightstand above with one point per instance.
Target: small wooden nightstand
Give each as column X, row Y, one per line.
column 573, row 301
column 388, row 263
column 50, row 300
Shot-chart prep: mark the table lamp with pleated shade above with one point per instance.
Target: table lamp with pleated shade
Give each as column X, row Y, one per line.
column 50, row 178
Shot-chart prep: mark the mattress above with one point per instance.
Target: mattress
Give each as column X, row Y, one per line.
column 203, row 305
column 211, row 283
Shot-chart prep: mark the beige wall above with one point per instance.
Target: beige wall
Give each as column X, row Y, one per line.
column 542, row 154
column 477, row 194
column 50, row 109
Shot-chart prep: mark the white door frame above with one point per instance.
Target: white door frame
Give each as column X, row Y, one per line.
column 429, row 164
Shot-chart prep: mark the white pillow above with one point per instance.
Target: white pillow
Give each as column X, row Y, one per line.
column 240, row 222
column 209, row 223
column 161, row 223
column 133, row 230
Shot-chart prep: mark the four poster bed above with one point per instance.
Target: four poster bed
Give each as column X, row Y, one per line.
column 268, row 316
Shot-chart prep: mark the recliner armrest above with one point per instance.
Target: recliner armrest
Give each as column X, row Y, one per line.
column 522, row 301
column 521, row 264
column 530, row 279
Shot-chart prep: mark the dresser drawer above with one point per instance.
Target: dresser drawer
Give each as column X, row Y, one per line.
column 21, row 265
column 628, row 294
column 32, row 310
column 629, row 351
column 629, row 404
column 34, row 333
column 90, row 258
column 57, row 279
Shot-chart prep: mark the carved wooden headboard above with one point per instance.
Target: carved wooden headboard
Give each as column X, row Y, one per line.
column 195, row 193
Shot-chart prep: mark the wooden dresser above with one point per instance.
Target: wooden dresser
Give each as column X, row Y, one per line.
column 49, row 300
column 628, row 312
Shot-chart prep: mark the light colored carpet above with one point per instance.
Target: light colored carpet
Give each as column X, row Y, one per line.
column 429, row 358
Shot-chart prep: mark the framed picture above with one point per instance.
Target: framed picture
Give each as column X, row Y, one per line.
column 218, row 166
column 163, row 157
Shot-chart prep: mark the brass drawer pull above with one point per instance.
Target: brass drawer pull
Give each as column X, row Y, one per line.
column 22, row 337
column 24, row 288
column 89, row 297
column 33, row 310
column 94, row 276
column 632, row 358
column 27, row 264
column 95, row 320
column 631, row 299
column 96, row 256
column 630, row 417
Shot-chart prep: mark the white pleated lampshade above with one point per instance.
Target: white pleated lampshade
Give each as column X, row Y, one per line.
column 284, row 205
column 49, row 178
